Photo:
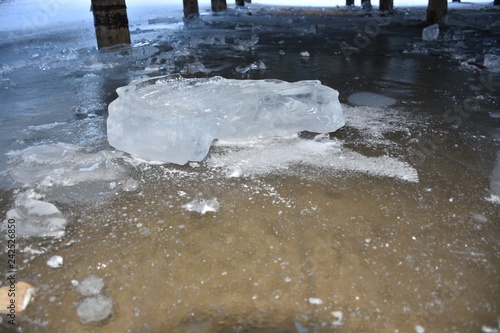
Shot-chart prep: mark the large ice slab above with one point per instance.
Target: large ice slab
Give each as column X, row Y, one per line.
column 176, row 119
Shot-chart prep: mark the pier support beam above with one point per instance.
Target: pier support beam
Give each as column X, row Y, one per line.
column 111, row 22
column 386, row 5
column 436, row 10
column 191, row 8
column 219, row 5
column 496, row 2
column 349, row 2
column 240, row 3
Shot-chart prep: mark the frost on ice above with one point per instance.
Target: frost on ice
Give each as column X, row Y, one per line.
column 172, row 119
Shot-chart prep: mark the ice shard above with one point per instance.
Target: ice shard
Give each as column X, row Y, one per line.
column 174, row 119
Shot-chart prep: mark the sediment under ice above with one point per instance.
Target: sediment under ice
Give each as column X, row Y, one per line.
column 176, row 119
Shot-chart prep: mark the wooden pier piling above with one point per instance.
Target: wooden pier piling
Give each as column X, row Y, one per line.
column 191, row 8
column 111, row 22
column 219, row 5
column 386, row 5
column 436, row 10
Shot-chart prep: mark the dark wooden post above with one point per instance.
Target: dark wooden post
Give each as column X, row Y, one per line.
column 191, row 8
column 496, row 2
column 349, row 2
column 111, row 22
column 386, row 5
column 219, row 5
column 436, row 10
column 240, row 3
column 456, row 1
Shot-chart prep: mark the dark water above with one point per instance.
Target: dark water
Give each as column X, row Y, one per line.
column 296, row 247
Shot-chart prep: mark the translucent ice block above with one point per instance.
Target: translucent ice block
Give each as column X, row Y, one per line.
column 176, row 119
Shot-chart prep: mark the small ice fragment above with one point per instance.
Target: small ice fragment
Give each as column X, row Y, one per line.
column 419, row 329
column 431, row 32
column 492, row 62
column 235, row 173
column 35, row 218
column 480, row 218
column 194, row 165
column 74, row 283
column 305, row 54
column 91, row 285
column 338, row 315
column 258, row 65
column 130, row 185
column 322, row 137
column 202, row 206
column 316, row 301
column 55, row 261
column 94, row 308
column 299, row 328
column 487, row 329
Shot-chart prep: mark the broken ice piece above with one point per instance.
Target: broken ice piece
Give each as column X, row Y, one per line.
column 202, row 206
column 316, row 301
column 175, row 120
column 338, row 316
column 55, row 261
column 91, row 285
column 305, row 54
column 23, row 293
column 94, row 308
column 35, row 217
column 431, row 32
column 492, row 62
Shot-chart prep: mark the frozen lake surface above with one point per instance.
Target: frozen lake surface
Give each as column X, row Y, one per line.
column 389, row 224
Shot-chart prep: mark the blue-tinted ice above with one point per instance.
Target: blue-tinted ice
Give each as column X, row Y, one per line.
column 176, row 119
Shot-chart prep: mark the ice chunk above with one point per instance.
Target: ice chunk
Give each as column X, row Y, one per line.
column 492, row 62
column 495, row 177
column 55, row 261
column 175, row 119
column 63, row 164
column 91, row 285
column 202, row 206
column 315, row 300
column 370, row 99
column 95, row 308
column 35, row 218
column 195, row 67
column 431, row 32
column 338, row 318
column 258, row 65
